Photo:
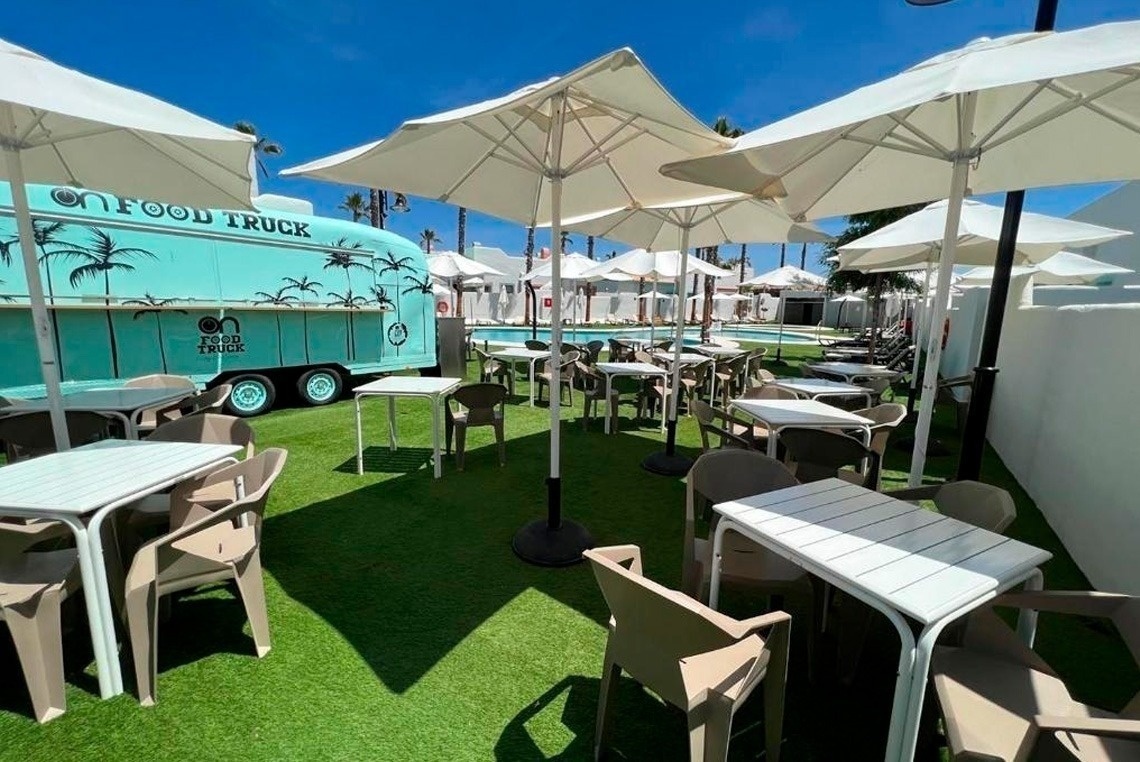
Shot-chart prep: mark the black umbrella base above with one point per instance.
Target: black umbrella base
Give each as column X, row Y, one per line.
column 538, row 544
column 663, row 464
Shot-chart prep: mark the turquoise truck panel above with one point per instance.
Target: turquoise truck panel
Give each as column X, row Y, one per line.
column 138, row 287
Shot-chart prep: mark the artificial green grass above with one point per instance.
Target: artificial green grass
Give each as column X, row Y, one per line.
column 404, row 627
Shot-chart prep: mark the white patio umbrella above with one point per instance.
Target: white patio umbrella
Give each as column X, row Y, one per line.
column 787, row 276
column 592, row 139
column 916, row 239
column 1065, row 268
column 450, row 265
column 713, row 220
column 843, row 301
column 1021, row 111
column 58, row 125
column 571, row 267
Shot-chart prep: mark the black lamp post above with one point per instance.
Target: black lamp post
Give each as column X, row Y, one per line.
column 985, row 374
column 399, row 204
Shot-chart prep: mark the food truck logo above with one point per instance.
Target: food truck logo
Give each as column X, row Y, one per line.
column 215, row 338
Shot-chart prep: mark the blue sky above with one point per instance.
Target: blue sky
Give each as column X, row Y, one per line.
column 321, row 76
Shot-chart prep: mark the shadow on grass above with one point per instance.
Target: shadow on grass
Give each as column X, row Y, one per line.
column 382, row 460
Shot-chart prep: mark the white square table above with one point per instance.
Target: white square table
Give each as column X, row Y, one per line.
column 424, row 387
column 852, row 370
column 125, row 403
column 687, row 358
column 818, row 388
column 802, row 414
column 633, row 370
column 80, row 488
column 519, row 354
column 911, row 564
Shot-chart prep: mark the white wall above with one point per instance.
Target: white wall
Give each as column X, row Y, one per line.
column 1066, row 422
column 1119, row 209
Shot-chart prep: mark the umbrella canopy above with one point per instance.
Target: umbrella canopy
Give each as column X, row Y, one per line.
column 915, row 239
column 1022, row 111
column 58, row 125
column 787, row 276
column 1062, row 269
column 710, row 221
column 655, row 294
column 572, row 145
column 438, row 289
column 573, row 267
column 448, row 264
column 720, row 298
column 654, row 265
column 847, row 298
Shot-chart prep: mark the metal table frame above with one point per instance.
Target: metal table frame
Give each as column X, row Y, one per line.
column 432, row 389
column 915, row 654
column 632, row 370
column 530, row 356
column 798, row 386
column 89, row 544
column 841, row 419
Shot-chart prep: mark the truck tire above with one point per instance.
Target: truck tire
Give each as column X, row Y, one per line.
column 253, row 394
column 319, row 386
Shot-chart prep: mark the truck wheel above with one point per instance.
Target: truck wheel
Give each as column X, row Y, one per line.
column 319, row 386
column 252, row 394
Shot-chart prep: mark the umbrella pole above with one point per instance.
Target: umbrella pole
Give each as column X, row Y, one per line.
column 780, row 335
column 553, row 541
column 42, row 322
column 919, row 334
column 653, row 313
column 669, row 463
column 942, row 293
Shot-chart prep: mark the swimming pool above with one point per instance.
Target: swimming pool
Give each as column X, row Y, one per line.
column 519, row 334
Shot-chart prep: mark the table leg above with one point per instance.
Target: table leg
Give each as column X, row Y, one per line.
column 130, row 422
column 722, row 526
column 532, row 363
column 1027, row 619
column 106, row 663
column 359, row 440
column 392, row 423
column 436, row 459
column 609, row 391
column 665, row 402
column 773, row 434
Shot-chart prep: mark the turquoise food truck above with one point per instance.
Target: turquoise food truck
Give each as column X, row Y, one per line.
column 267, row 300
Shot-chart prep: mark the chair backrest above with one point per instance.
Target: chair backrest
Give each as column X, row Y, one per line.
column 807, row 372
column 823, row 454
column 594, row 349
column 160, row 381
column 541, row 346
column 207, row 428
column 982, row 505
column 640, row 355
column 698, row 373
column 722, row 475
column 29, row 435
column 256, row 476
column 756, row 360
column 480, row 401
column 887, row 417
column 483, row 358
column 711, row 420
column 653, row 627
column 768, row 392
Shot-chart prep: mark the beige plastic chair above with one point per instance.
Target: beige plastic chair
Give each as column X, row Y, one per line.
column 481, row 405
column 768, row 392
column 565, row 375
column 693, row 657
column 594, row 391
column 196, row 404
column 887, row 417
column 491, row 369
column 204, row 428
column 982, row 505
column 729, row 431
column 29, row 435
column 813, row 455
column 204, row 546
column 1001, row 701
column 148, row 419
column 32, row 587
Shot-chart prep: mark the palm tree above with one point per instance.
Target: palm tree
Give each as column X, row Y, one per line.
column 743, row 261
column 303, row 285
column 462, row 245
column 783, row 253
column 427, row 238
column 418, row 287
column 340, row 256
column 349, row 301
column 354, row 204
column 566, row 241
column 154, row 306
column 279, row 298
column 262, row 146
column 46, row 234
column 528, row 254
column 390, row 263
column 5, row 297
column 99, row 259
column 6, row 250
column 803, row 256
column 385, row 304
column 374, row 213
column 589, row 288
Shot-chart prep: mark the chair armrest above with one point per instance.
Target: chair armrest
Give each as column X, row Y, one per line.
column 723, row 671
column 1105, row 727
column 763, row 622
column 914, row 493
column 1078, row 602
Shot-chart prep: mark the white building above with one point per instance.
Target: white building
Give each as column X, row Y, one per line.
column 1118, row 209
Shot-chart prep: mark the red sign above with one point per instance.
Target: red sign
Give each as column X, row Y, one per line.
column 441, row 308
column 547, row 302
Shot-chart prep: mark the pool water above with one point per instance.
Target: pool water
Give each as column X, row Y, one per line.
column 519, row 334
